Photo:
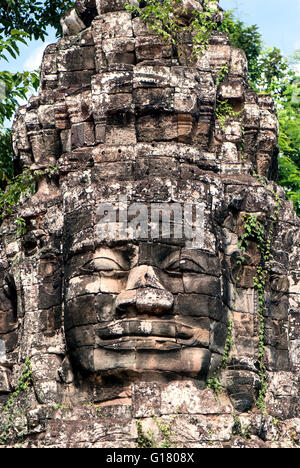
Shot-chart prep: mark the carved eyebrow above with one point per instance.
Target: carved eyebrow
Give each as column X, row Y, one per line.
column 190, row 258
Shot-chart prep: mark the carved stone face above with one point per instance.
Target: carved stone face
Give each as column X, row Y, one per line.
column 143, row 306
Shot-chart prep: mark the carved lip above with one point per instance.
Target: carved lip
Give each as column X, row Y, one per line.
column 141, row 343
column 136, row 329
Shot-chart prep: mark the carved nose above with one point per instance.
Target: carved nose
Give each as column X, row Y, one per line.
column 143, row 277
column 145, row 292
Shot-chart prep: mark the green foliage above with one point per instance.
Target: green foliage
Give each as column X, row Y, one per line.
column 24, row 382
column 215, row 385
column 223, row 73
column 20, row 20
column 289, row 118
column 18, row 186
column 21, row 226
column 289, row 177
column 224, row 112
column 144, row 440
column 6, row 157
column 22, row 185
column 228, row 345
column 13, row 87
column 166, row 430
column 254, row 230
column 168, row 19
column 244, row 37
column 240, row 430
column 147, row 440
column 272, row 68
column 289, row 142
column 9, row 45
column 267, row 66
column 214, row 381
column 32, row 16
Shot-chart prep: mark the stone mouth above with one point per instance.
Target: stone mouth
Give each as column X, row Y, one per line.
column 158, row 331
column 131, row 343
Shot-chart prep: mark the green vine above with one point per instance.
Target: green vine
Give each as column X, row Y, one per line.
column 166, row 431
column 214, row 381
column 239, row 430
column 214, row 384
column 223, row 73
column 147, row 440
column 144, row 440
column 21, row 186
column 255, row 230
column 24, row 382
column 224, row 111
column 228, row 345
column 170, row 21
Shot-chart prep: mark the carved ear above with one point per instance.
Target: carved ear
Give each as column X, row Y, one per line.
column 8, row 311
column 9, row 286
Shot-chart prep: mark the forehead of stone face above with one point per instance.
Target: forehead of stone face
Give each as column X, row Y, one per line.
column 161, row 208
column 167, row 213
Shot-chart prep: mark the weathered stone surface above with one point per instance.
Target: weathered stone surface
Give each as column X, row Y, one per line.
column 186, row 397
column 120, row 330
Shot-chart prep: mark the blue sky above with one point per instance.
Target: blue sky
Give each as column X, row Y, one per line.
column 278, row 21
column 30, row 55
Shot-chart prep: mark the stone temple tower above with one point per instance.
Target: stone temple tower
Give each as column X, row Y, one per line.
column 104, row 337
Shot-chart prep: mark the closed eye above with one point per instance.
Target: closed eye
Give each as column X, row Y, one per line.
column 103, row 265
column 106, row 264
column 187, row 265
column 173, row 268
column 182, row 266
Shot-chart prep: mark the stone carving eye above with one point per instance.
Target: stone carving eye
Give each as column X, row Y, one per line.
column 188, row 265
column 173, row 268
column 106, row 264
column 106, row 261
column 184, row 265
column 101, row 265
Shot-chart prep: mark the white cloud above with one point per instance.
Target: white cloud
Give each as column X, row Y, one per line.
column 35, row 59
